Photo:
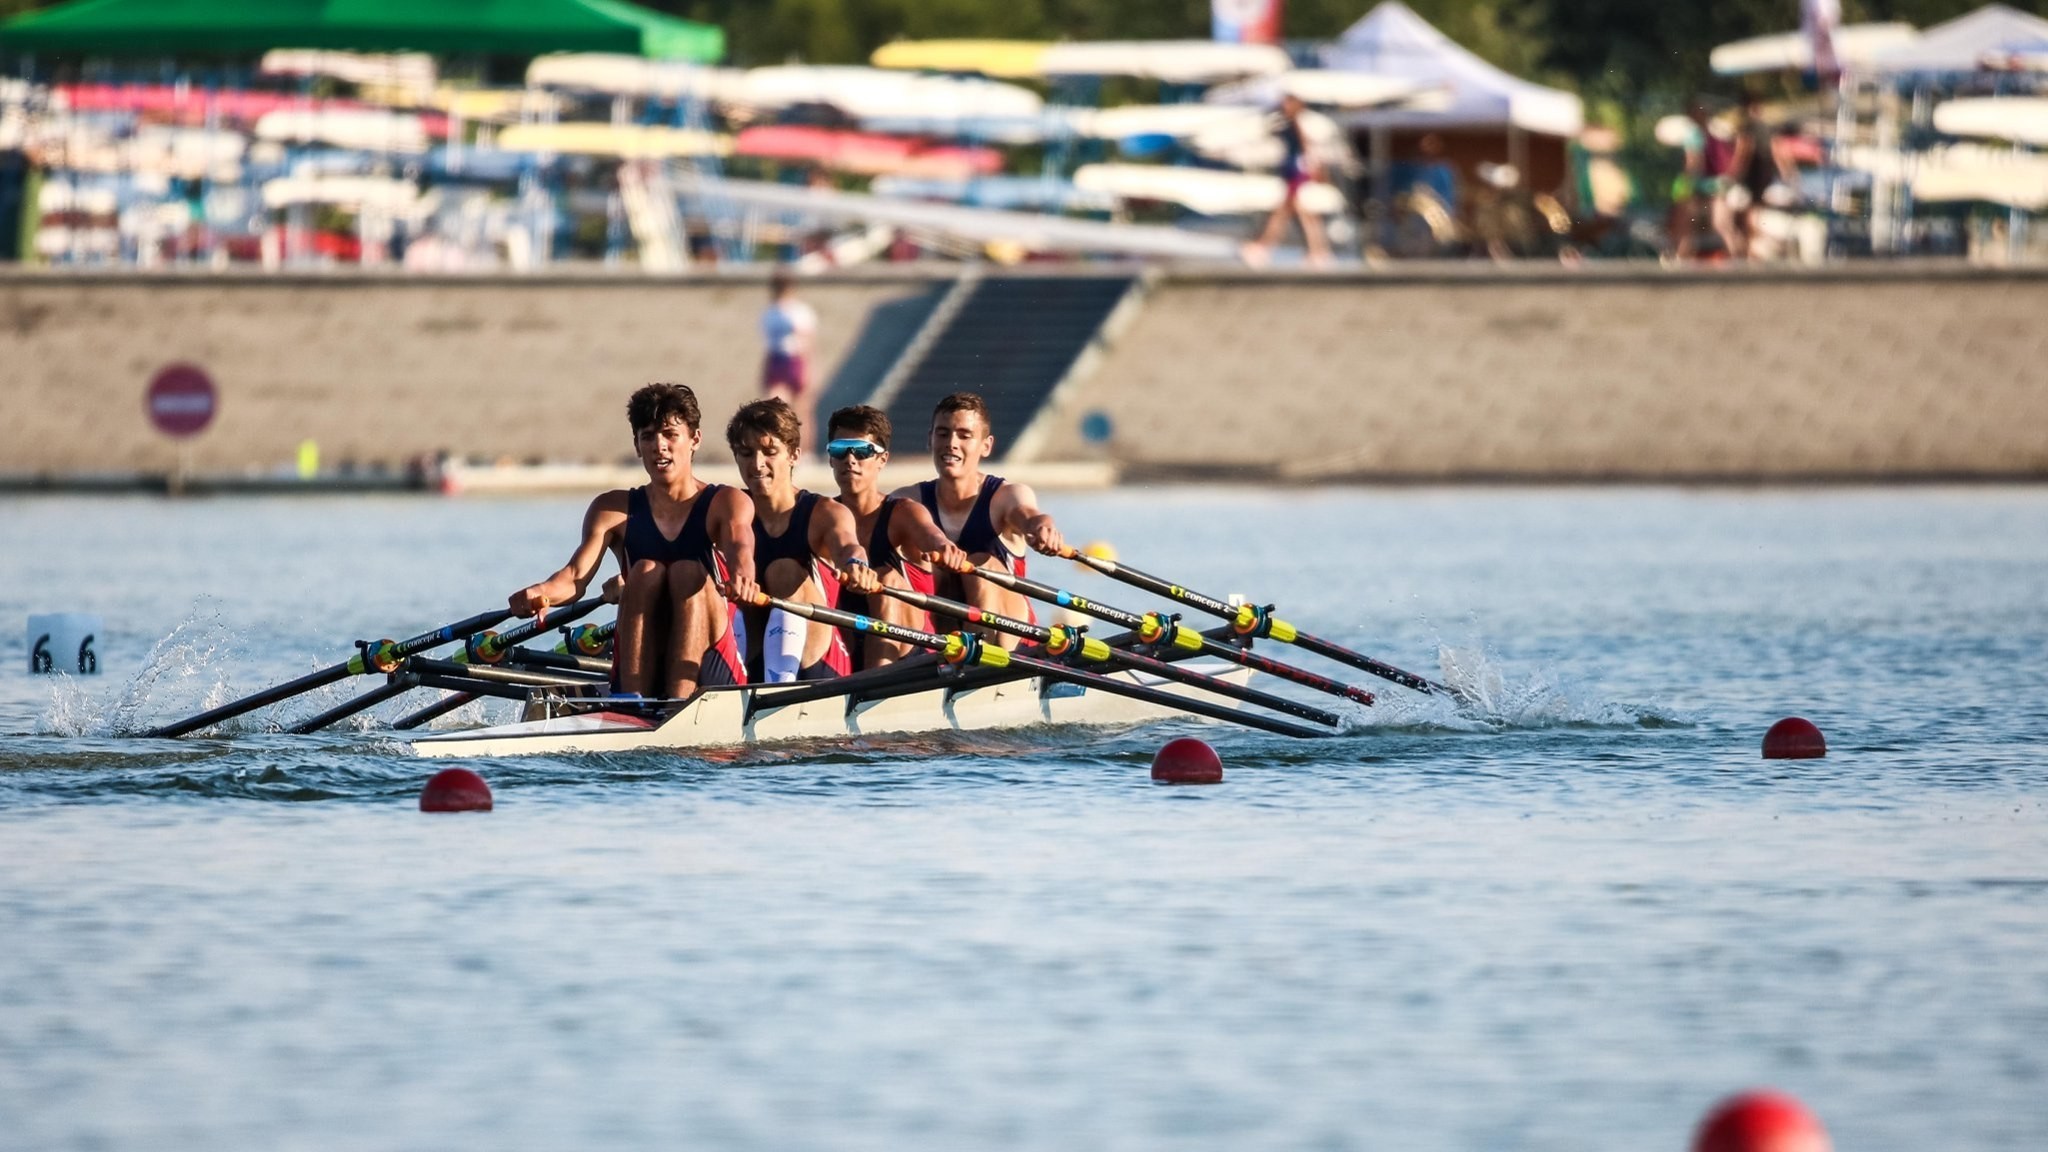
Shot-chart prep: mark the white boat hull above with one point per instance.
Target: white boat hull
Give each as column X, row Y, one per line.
column 719, row 717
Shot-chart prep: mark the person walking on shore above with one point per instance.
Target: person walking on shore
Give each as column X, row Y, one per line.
column 788, row 328
column 1297, row 167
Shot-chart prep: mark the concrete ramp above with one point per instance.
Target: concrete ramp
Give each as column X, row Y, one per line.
column 1015, row 340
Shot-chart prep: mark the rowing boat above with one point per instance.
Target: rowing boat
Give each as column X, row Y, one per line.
column 727, row 716
column 957, row 681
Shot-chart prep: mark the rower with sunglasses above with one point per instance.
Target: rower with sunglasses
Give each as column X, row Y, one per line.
column 990, row 518
column 902, row 542
column 804, row 550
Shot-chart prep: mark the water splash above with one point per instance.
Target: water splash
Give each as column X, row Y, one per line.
column 184, row 670
column 1489, row 696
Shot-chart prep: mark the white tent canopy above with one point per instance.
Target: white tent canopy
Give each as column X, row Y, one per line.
column 1856, row 46
column 1392, row 41
column 1963, row 44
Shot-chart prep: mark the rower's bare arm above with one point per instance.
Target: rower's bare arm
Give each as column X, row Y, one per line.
column 835, row 533
column 916, row 535
column 602, row 524
column 1017, row 513
column 731, row 522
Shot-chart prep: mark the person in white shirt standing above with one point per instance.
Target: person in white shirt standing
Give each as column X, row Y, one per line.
column 788, row 327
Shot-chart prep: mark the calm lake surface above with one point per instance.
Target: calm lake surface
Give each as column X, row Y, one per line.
column 1569, row 919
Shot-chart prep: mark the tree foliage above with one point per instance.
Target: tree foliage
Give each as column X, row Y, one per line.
column 1617, row 53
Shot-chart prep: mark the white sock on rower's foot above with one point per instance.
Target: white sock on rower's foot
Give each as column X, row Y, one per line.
column 782, row 647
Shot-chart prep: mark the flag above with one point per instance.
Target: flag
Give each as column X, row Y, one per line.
column 1245, row 21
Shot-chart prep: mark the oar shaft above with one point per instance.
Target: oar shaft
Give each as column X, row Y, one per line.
column 398, row 686
column 435, row 711
column 387, row 653
column 1174, row 634
column 268, row 696
column 1174, row 700
column 958, row 648
column 1098, row 652
column 1253, row 621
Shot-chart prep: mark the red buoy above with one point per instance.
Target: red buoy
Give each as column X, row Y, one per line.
column 1760, row 1121
column 1794, row 738
column 455, row 790
column 1187, row 761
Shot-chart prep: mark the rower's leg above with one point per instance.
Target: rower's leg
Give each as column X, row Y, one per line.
column 993, row 598
column 638, row 640
column 789, row 580
column 881, row 650
column 698, row 624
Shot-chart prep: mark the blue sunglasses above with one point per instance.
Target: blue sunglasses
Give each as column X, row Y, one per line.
column 858, row 449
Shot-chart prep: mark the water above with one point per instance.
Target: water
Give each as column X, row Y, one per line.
column 1569, row 919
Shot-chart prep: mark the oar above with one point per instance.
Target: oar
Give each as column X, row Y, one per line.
column 383, row 656
column 1250, row 620
column 961, row 649
column 1061, row 640
column 398, row 685
column 589, row 639
column 1156, row 629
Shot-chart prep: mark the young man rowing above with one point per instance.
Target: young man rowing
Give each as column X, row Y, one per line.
column 675, row 630
column 792, row 530
column 902, row 542
column 991, row 519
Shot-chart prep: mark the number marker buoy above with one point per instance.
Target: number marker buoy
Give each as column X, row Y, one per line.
column 1760, row 1121
column 456, row 790
column 1187, row 761
column 1794, row 738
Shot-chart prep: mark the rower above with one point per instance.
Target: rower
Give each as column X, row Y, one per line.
column 902, row 542
column 674, row 631
column 792, row 531
column 991, row 519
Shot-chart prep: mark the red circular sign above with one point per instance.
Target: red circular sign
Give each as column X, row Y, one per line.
column 181, row 400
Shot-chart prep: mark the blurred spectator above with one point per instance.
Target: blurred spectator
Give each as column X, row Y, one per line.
column 788, row 327
column 1297, row 168
column 1695, row 193
column 1430, row 173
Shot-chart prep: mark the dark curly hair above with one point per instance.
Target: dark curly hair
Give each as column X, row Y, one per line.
column 656, row 404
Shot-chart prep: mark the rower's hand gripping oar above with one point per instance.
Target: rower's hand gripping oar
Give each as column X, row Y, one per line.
column 1258, row 623
column 961, row 649
column 1061, row 640
column 382, row 657
column 1155, row 629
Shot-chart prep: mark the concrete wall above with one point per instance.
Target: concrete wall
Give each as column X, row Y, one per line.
column 1588, row 374
column 379, row 369
column 1460, row 372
